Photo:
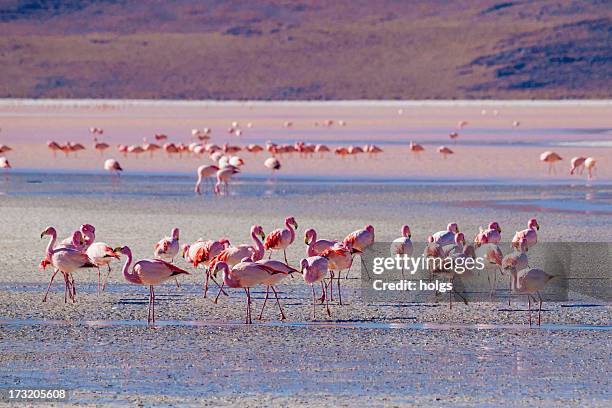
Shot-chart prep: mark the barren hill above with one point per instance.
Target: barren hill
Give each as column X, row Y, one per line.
column 274, row 49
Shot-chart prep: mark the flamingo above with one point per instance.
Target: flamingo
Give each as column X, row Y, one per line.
column 589, row 164
column 204, row 252
column 100, row 146
column 88, row 234
column 516, row 261
column 577, row 164
column 315, row 269
column 445, row 151
column 493, row 256
column 121, row 148
column 493, row 233
column 281, row 238
column 113, row 166
column 453, row 135
column 359, row 241
column 315, row 247
column 149, row 147
column 161, row 137
column 340, row 258
column 64, row 260
column 281, row 270
column 205, row 172
column 101, row 254
column 5, row 148
column 551, row 158
column 445, row 237
column 148, row 272
column 4, row 163
column 236, row 161
column 402, row 245
column 273, row 164
column 167, row 248
column 530, row 282
column 245, row 274
column 232, row 255
column 530, row 234
column 224, row 175
column 416, row 148
column 254, row 148
column 54, row 147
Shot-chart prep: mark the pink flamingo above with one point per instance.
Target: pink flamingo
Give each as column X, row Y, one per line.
column 150, row 272
column 340, row 258
column 87, row 231
column 589, row 164
column 149, row 147
column 516, row 261
column 416, row 148
column 316, row 247
column 224, row 175
column 445, row 151
column 281, row 271
column 273, row 164
column 281, row 238
column 205, row 252
column 493, row 256
column 359, row 241
column 64, row 260
column 530, row 282
column 315, row 269
column 167, row 248
column 245, row 275
column 205, row 172
column 232, row 255
column 101, row 254
column 113, row 166
column 100, row 146
column 4, row 163
column 161, row 137
column 493, row 233
column 551, row 158
column 402, row 245
column 577, row 164
column 54, row 147
column 446, row 237
column 121, row 148
column 530, row 234
column 254, row 148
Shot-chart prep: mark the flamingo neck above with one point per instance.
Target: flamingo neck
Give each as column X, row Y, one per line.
column 228, row 279
column 311, row 244
column 130, row 277
column 51, row 243
column 259, row 248
column 291, row 231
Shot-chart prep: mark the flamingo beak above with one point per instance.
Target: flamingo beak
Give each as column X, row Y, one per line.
column 42, row 234
column 499, row 229
column 118, row 249
column 306, row 240
column 295, row 224
column 262, row 235
column 409, row 236
column 538, row 227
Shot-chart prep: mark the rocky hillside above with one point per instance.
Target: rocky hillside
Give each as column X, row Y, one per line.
column 281, row 49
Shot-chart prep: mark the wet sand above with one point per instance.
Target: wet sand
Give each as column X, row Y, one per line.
column 367, row 354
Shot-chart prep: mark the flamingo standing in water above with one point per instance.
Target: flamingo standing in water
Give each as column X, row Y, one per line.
column 204, row 253
column 64, row 260
column 340, row 258
column 149, row 147
column 530, row 234
column 113, row 166
column 54, row 147
column 315, row 269
column 402, row 245
column 205, row 172
column 149, row 272
column 316, row 247
column 416, row 148
column 101, row 254
column 281, row 271
column 445, row 151
column 577, row 165
column 359, row 240
column 281, row 238
column 530, row 282
column 245, row 275
column 589, row 164
column 516, row 261
column 100, row 146
column 167, row 248
column 5, row 164
column 273, row 164
column 224, row 175
column 551, row 158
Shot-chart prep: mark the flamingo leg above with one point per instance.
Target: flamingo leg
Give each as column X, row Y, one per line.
column 331, row 283
column 364, row 266
column 331, row 279
column 529, row 307
column 149, row 309
column 539, row 309
column 220, row 290
column 106, row 279
column 248, row 306
column 322, row 298
column 339, row 292
column 49, row 286
column 207, row 274
column 283, row 317
column 178, row 285
column 265, row 301
column 98, row 290
column 220, row 287
column 313, row 300
column 285, row 254
column 153, row 303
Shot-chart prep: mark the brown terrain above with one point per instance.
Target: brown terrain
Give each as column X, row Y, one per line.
column 277, row 50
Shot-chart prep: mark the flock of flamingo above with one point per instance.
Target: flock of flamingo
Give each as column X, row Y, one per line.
column 243, row 266
column 227, row 162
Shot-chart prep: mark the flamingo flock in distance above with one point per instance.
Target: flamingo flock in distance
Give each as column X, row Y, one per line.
column 245, row 266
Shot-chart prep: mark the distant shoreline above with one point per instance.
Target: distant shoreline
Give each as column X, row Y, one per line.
column 346, row 103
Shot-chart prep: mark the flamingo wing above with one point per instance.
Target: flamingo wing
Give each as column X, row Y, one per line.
column 273, row 239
